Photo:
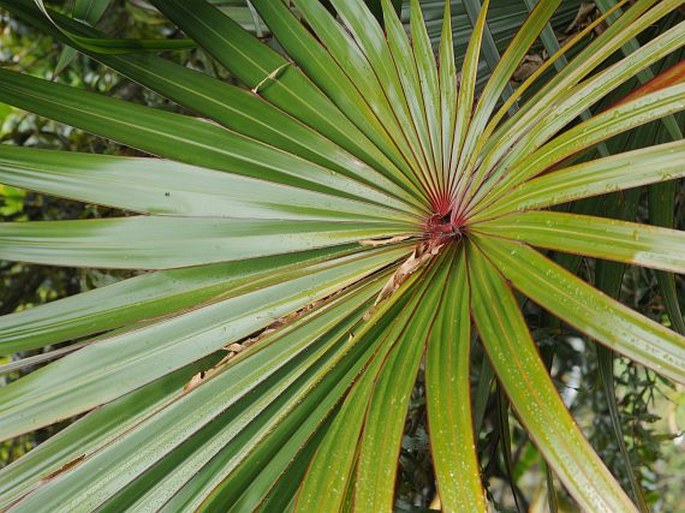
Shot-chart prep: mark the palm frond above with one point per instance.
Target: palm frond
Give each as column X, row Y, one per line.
column 347, row 210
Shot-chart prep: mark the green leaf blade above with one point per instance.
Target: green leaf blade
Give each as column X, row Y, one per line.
column 150, row 296
column 448, row 398
column 385, row 419
column 597, row 237
column 531, row 391
column 123, row 362
column 662, row 162
column 156, row 242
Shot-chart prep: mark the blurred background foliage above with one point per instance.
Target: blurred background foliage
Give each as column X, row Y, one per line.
column 651, row 410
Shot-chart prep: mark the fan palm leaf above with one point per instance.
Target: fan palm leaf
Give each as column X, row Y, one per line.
column 354, row 209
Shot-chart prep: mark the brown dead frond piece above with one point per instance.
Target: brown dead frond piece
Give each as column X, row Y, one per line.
column 64, row 467
column 204, row 375
column 583, row 17
column 235, row 348
column 530, row 64
column 375, row 243
column 194, row 381
column 271, row 76
column 423, row 254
